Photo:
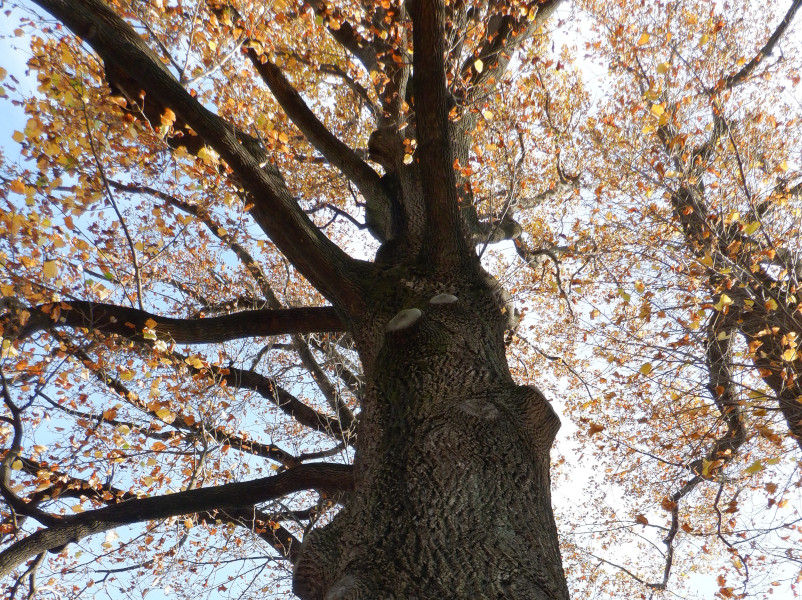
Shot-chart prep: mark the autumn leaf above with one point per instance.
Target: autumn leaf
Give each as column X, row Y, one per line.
column 755, row 467
column 594, row 429
column 17, row 187
column 50, row 270
column 723, row 301
column 667, row 504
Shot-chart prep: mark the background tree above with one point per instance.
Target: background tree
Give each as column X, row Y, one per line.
column 696, row 177
column 247, row 299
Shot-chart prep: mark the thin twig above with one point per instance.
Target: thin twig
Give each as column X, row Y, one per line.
column 113, row 202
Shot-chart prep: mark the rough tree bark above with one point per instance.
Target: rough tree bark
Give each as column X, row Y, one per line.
column 452, row 477
column 451, row 490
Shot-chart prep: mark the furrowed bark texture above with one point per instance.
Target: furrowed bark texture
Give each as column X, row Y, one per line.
column 452, row 476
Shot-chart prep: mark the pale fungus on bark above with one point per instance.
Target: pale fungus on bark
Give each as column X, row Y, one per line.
column 443, row 299
column 403, row 319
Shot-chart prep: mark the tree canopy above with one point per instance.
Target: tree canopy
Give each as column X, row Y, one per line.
column 237, row 239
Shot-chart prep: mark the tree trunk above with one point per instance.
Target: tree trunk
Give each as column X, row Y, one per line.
column 452, row 474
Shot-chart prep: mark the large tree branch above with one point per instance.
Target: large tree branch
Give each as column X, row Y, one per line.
column 259, row 523
column 65, row 486
column 320, row 260
column 347, row 36
column 333, row 397
column 197, row 430
column 284, row 400
column 130, row 322
column 233, row 378
column 738, row 77
column 319, row 476
column 505, row 33
column 444, row 235
column 333, row 149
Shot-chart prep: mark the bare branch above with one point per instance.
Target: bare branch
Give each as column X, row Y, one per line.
column 110, row 197
column 320, row 476
column 131, row 322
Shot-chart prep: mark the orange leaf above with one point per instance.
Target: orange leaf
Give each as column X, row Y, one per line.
column 594, row 429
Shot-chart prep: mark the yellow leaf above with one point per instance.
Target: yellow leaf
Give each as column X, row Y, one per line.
column 3, row 73
column 150, row 324
column 662, row 68
column 163, row 413
column 771, row 304
column 707, row 260
column 657, row 109
column 646, row 369
column 194, row 361
column 16, row 465
column 50, row 270
column 754, row 467
column 784, row 165
column 643, row 39
column 789, row 355
column 18, row 137
column 704, row 39
column 126, row 375
column 478, row 65
column 751, row 227
column 77, row 508
column 487, row 114
column 723, row 301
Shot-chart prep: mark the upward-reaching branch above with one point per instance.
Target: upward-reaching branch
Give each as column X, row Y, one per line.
column 334, row 150
column 445, row 238
column 325, row 265
column 741, row 75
